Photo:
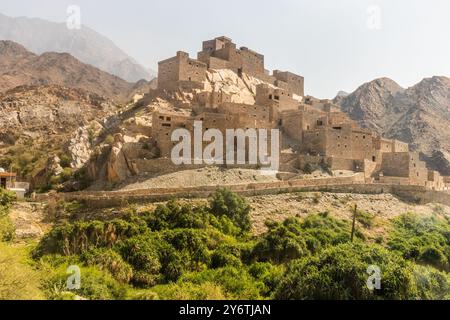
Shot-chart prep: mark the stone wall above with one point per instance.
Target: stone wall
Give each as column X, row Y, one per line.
column 417, row 194
column 290, row 81
column 117, row 198
column 181, row 70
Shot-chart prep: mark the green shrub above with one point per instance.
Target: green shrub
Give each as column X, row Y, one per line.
column 190, row 245
column 226, row 255
column 267, row 273
column 340, row 273
column 175, row 215
column 95, row 285
column 110, row 260
column 423, row 239
column 188, row 291
column 141, row 253
column 145, row 294
column 109, row 140
column 229, row 204
column 433, row 256
column 283, row 242
column 365, row 218
column 431, row 283
column 7, row 228
column 295, row 238
column 65, row 160
column 75, row 238
column 235, row 282
column 66, row 175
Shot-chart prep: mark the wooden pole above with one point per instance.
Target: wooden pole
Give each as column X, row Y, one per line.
column 354, row 223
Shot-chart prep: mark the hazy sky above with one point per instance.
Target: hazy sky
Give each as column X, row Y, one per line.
column 335, row 45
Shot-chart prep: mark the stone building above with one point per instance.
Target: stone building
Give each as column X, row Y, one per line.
column 222, row 53
column 319, row 130
column 403, row 168
column 181, row 72
column 290, row 81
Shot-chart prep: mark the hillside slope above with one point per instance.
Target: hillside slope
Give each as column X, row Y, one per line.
column 20, row 67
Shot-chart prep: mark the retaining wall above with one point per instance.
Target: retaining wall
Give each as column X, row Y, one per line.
column 352, row 184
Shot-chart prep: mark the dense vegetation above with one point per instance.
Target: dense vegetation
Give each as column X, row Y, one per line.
column 181, row 251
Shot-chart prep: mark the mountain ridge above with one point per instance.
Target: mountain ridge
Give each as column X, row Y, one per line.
column 20, row 67
column 418, row 115
column 39, row 36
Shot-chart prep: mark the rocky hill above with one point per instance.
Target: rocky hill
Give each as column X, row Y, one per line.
column 40, row 36
column 419, row 115
column 38, row 123
column 21, row 67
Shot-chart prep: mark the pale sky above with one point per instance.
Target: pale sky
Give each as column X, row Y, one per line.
column 335, row 45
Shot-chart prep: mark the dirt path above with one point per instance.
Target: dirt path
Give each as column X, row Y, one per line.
column 28, row 219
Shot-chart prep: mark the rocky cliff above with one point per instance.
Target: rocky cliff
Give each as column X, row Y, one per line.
column 419, row 115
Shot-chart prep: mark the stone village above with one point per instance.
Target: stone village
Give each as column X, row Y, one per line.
column 228, row 88
column 312, row 131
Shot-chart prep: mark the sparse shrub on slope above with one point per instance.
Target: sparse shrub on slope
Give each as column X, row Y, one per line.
column 295, row 238
column 422, row 239
column 431, row 284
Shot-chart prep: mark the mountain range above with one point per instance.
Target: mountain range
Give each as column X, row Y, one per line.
column 419, row 115
column 20, row 67
column 40, row 36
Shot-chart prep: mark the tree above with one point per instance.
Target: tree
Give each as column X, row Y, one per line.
column 227, row 203
column 340, row 273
